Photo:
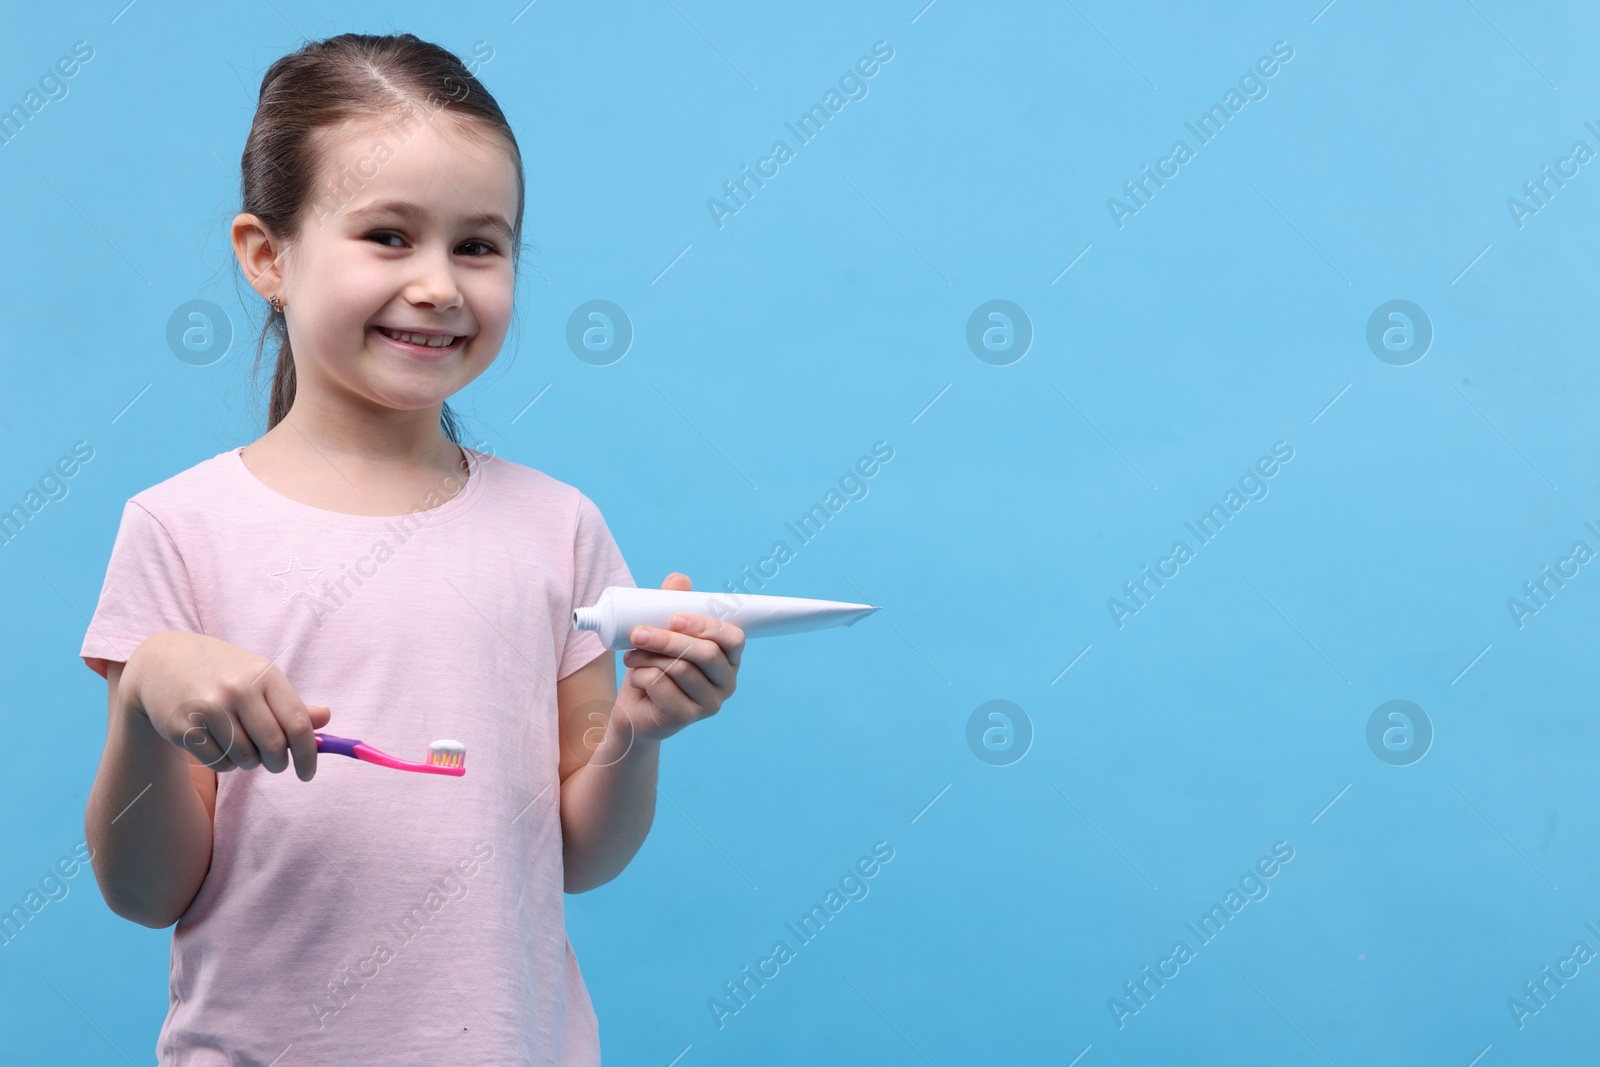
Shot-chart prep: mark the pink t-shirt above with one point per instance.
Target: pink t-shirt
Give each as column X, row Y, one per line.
column 372, row 915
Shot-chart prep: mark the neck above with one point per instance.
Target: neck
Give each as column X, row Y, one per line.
column 384, row 437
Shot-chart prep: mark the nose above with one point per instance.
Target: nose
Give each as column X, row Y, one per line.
column 434, row 285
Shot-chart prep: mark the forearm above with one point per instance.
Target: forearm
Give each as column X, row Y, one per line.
column 149, row 832
column 607, row 807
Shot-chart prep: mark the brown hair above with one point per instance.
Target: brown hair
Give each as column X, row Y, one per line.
column 352, row 76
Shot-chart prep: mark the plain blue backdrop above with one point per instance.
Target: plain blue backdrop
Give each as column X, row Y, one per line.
column 1042, row 858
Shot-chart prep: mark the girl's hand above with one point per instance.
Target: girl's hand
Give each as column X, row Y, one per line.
column 227, row 706
column 678, row 676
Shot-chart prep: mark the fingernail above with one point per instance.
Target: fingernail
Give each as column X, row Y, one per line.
column 680, row 622
column 642, row 634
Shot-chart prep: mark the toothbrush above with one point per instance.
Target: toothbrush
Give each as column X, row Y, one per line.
column 444, row 757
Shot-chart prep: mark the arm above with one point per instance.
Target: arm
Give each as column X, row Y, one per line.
column 148, row 818
column 608, row 787
column 611, row 740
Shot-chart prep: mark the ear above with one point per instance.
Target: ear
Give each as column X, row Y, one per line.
column 259, row 254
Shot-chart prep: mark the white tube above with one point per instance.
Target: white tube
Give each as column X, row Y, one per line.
column 621, row 608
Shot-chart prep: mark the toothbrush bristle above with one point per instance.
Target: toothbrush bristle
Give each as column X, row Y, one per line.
column 447, row 754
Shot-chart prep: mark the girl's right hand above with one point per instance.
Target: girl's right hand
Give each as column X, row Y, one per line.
column 227, row 706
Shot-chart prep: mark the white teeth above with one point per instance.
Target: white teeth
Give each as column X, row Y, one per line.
column 418, row 338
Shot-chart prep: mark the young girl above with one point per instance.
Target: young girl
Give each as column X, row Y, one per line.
column 356, row 568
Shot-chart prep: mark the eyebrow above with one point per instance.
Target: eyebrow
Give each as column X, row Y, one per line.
column 413, row 213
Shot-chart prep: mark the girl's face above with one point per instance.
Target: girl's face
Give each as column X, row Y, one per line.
column 408, row 231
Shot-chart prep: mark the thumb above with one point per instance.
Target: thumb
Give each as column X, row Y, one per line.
column 319, row 716
column 677, row 580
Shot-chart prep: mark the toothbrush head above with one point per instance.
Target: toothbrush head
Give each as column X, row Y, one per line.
column 446, row 753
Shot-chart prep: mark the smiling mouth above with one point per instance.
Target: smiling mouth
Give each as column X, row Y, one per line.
column 420, row 340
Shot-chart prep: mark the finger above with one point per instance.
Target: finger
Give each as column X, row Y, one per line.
column 211, row 734
column 223, row 764
column 725, row 635
column 319, row 715
column 235, row 741
column 295, row 721
column 665, row 693
column 676, row 580
column 705, row 654
column 204, row 749
column 688, row 676
column 700, row 638
column 259, row 722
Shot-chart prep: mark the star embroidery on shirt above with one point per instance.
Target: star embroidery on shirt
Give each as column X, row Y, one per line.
column 296, row 579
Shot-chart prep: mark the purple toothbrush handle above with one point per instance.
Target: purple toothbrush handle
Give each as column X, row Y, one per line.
column 343, row 746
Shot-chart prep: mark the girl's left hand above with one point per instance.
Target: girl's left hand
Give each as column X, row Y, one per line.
column 679, row 676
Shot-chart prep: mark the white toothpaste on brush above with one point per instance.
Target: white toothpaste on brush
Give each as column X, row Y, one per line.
column 621, row 608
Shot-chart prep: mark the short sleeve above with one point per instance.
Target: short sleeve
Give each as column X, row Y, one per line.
column 146, row 590
column 596, row 563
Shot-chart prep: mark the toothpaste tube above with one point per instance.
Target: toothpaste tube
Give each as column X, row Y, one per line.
column 621, row 608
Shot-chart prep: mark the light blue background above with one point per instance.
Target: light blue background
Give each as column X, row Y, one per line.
column 831, row 313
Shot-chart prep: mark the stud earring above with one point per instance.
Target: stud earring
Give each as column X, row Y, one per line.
column 277, row 308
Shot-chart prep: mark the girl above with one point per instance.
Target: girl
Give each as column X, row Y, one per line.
column 356, row 566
